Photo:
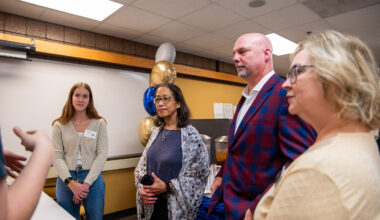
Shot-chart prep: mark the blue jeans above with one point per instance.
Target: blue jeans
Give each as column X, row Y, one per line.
column 93, row 203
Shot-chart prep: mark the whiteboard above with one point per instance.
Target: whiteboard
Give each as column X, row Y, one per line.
column 32, row 95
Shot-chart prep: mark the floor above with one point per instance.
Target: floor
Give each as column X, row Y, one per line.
column 129, row 214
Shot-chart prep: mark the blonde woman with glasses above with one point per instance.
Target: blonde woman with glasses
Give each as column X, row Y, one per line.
column 333, row 84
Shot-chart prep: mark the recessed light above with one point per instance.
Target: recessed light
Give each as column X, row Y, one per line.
column 93, row 9
column 256, row 3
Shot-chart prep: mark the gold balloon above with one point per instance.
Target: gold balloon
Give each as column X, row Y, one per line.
column 145, row 129
column 163, row 72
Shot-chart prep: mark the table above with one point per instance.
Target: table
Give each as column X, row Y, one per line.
column 48, row 209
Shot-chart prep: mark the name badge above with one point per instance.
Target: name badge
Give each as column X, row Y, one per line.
column 90, row 134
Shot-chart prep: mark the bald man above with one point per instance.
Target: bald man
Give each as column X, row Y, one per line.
column 263, row 136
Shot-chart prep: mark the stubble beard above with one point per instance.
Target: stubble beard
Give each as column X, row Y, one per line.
column 244, row 73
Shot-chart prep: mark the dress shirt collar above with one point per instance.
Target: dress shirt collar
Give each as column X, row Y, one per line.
column 246, row 93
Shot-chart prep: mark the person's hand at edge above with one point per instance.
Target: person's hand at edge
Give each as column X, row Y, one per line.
column 78, row 189
column 148, row 197
column 217, row 182
column 13, row 163
column 33, row 138
column 248, row 215
column 158, row 187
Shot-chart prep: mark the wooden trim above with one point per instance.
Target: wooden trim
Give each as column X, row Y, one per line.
column 60, row 49
column 193, row 71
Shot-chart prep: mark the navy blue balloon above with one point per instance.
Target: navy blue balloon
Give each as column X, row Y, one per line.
column 148, row 101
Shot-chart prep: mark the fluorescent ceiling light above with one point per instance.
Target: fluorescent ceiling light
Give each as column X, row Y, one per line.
column 93, row 9
column 281, row 45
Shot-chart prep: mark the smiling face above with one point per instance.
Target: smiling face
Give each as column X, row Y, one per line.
column 80, row 99
column 166, row 110
column 305, row 96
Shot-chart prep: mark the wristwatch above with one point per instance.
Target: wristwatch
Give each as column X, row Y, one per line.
column 168, row 189
column 67, row 180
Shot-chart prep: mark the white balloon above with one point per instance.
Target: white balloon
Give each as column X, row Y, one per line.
column 166, row 52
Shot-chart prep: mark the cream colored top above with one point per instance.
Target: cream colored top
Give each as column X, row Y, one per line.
column 93, row 147
column 337, row 178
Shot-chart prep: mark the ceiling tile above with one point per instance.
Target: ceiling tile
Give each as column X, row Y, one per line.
column 287, row 17
column 225, row 50
column 69, row 20
column 242, row 27
column 115, row 31
column 124, row 2
column 150, row 40
column 21, row 8
column 186, row 48
column 209, row 54
column 136, row 19
column 176, row 31
column 226, row 19
column 369, row 35
column 376, row 51
column 170, row 8
column 211, row 18
column 336, row 7
column 241, row 7
column 298, row 33
column 207, row 41
column 369, row 16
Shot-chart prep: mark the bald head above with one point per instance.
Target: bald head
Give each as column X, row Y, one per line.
column 259, row 40
column 253, row 57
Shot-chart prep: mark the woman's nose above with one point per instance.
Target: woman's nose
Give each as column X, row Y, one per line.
column 286, row 85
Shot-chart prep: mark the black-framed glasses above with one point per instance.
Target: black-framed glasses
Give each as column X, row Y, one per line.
column 165, row 99
column 295, row 71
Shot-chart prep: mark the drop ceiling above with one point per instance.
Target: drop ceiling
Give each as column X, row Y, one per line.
column 209, row 28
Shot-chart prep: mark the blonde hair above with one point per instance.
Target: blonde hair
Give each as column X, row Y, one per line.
column 349, row 75
column 68, row 110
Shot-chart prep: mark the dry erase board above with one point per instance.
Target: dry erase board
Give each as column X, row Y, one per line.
column 33, row 93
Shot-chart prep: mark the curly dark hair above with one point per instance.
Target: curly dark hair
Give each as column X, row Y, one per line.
column 183, row 112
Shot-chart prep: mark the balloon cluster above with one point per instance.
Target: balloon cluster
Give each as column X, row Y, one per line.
column 162, row 72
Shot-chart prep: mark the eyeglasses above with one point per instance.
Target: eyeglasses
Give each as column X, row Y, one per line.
column 294, row 71
column 166, row 99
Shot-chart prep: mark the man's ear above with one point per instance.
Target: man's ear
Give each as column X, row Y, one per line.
column 267, row 54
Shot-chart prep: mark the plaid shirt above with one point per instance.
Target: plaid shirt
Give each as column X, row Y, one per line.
column 267, row 139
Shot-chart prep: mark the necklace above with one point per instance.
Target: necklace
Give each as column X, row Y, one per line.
column 164, row 134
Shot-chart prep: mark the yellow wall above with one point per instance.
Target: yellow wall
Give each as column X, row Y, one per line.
column 201, row 94
column 120, row 190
